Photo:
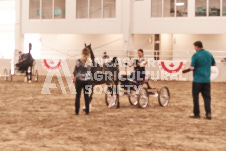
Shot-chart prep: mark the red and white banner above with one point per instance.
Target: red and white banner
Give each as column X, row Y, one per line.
column 52, row 65
column 171, row 68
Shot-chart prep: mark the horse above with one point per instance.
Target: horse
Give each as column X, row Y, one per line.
column 111, row 68
column 26, row 62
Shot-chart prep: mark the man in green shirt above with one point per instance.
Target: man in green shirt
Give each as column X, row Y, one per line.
column 201, row 64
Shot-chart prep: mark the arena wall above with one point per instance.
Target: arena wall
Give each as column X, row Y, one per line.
column 5, row 64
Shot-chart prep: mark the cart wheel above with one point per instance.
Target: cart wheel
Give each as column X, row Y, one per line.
column 5, row 75
column 143, row 98
column 133, row 97
column 110, row 99
column 10, row 76
column 36, row 75
column 163, row 96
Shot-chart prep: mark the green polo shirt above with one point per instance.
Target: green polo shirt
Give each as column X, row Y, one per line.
column 202, row 61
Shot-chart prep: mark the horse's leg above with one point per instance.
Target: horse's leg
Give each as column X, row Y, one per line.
column 26, row 77
column 91, row 95
column 117, row 94
column 90, row 99
column 31, row 73
column 111, row 90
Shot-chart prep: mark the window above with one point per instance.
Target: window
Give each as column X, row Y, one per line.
column 34, row 11
column 59, row 9
column 82, row 9
column 182, row 8
column 47, row 10
column 200, row 6
column 95, row 8
column 156, row 8
column 224, row 8
column 214, row 7
column 169, row 8
column 44, row 9
column 109, row 9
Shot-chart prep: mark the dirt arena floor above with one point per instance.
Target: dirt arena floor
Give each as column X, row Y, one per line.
column 30, row 121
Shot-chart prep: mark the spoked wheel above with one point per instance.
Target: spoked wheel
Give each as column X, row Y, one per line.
column 133, row 97
column 5, row 75
column 10, row 76
column 110, row 99
column 163, row 96
column 36, row 75
column 143, row 98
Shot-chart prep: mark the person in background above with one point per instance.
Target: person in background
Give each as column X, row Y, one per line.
column 224, row 60
column 81, row 80
column 105, row 56
column 20, row 56
column 201, row 64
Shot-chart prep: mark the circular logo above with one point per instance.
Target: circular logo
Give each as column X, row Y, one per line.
column 214, row 72
column 52, row 65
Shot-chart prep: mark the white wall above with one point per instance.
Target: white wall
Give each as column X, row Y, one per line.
column 183, row 44
column 70, row 45
column 166, row 46
column 137, row 12
column 71, row 25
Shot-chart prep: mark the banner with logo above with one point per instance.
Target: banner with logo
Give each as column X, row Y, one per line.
column 51, row 64
column 171, row 68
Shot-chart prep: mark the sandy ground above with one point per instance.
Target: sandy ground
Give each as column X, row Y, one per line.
column 30, row 121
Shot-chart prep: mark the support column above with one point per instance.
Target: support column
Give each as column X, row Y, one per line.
column 127, row 25
column 18, row 34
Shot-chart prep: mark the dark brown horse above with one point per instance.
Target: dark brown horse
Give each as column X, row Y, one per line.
column 109, row 71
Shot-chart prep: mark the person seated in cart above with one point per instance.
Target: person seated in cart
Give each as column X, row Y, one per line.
column 139, row 67
column 19, row 65
column 20, row 56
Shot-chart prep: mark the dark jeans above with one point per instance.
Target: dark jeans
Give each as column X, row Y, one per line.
column 79, row 85
column 204, row 88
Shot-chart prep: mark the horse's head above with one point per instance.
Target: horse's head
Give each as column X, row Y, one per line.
column 88, row 46
column 91, row 51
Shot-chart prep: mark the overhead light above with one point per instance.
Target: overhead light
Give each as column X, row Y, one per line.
column 179, row 4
